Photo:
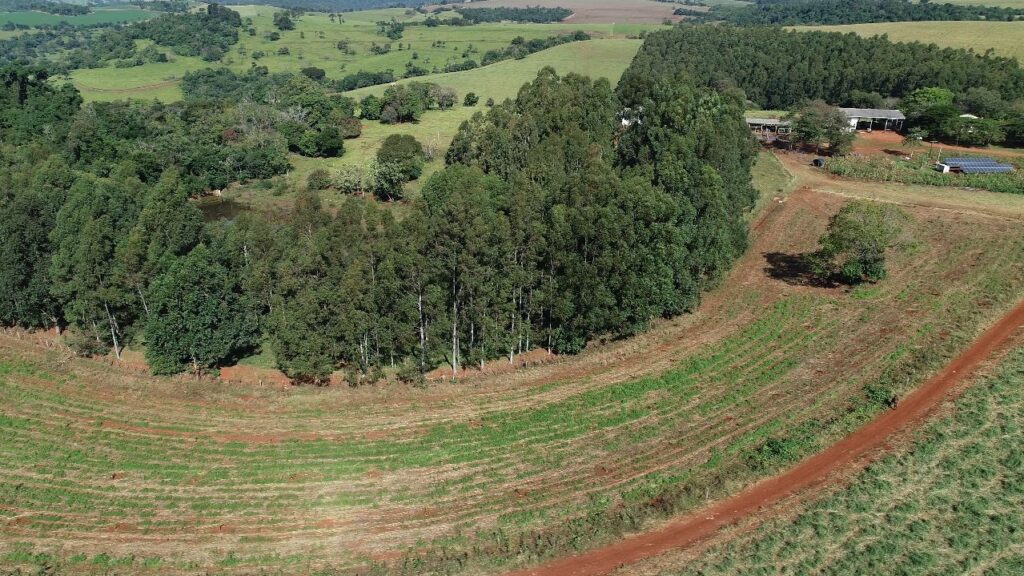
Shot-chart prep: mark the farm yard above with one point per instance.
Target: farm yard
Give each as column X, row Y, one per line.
column 129, row 473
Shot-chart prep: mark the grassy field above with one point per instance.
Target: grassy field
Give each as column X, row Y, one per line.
column 314, row 43
column 951, row 503
column 1005, row 38
column 97, row 16
column 597, row 58
column 108, row 470
column 1006, row 3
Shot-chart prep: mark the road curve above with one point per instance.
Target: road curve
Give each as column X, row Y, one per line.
column 811, row 472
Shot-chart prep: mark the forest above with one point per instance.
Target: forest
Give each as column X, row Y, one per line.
column 778, row 69
column 534, row 14
column 510, row 247
column 828, row 12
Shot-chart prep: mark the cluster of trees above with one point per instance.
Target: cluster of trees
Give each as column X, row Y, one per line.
column 779, row 69
column 207, row 34
column 521, row 48
column 938, row 114
column 283, row 21
column 392, row 29
column 299, row 108
column 827, row 12
column 534, row 14
column 59, row 8
column 406, row 102
column 859, row 236
column 333, row 6
column 549, row 226
column 362, row 79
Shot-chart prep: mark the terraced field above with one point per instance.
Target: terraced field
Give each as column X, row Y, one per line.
column 951, row 502
column 108, row 470
column 314, row 43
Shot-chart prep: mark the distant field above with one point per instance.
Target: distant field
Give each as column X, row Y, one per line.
column 590, row 11
column 596, row 58
column 97, row 16
column 314, row 43
column 1006, row 38
column 950, row 504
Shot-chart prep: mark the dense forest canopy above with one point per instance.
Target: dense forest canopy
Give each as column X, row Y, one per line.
column 592, row 230
column 534, row 14
column 778, row 69
column 826, row 12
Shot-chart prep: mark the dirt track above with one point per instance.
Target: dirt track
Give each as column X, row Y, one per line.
column 812, row 472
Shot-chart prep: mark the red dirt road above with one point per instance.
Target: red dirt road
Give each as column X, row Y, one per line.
column 812, row 472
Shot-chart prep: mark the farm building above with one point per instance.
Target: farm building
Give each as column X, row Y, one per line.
column 980, row 165
column 768, row 125
column 874, row 118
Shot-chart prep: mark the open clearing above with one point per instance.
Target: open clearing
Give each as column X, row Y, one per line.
column 114, row 471
column 951, row 502
column 591, row 11
column 1005, row 38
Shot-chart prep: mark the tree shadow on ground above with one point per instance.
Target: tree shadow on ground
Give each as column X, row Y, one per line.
column 794, row 269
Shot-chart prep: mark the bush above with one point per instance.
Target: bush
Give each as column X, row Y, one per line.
column 405, row 153
column 471, row 99
column 318, row 179
column 385, row 181
column 490, row 103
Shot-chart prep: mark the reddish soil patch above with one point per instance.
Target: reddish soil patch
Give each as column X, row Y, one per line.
column 891, row 143
column 812, row 473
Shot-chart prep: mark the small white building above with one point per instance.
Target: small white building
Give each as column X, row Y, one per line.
column 874, row 118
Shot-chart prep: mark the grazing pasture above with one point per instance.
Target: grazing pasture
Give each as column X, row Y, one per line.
column 109, row 470
column 1005, row 38
column 97, row 16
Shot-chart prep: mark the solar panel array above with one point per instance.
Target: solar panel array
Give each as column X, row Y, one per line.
column 982, row 165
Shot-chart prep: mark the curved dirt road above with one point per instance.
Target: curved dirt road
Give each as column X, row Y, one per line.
column 809, row 473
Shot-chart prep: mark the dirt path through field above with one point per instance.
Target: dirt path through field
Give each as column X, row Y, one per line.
column 810, row 473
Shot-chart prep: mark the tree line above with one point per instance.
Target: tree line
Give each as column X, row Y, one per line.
column 533, row 14
column 550, row 225
column 778, row 69
column 830, row 12
column 59, row 8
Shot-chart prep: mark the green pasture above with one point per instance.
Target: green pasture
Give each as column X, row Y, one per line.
column 595, row 58
column 314, row 43
column 97, row 16
column 1005, row 38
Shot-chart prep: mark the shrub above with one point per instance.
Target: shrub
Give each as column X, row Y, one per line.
column 318, row 179
column 349, row 179
column 405, row 153
column 471, row 99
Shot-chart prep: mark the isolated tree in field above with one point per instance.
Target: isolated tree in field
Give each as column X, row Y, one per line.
column 854, row 247
column 817, row 124
column 283, row 21
column 405, row 153
column 199, row 316
column 471, row 99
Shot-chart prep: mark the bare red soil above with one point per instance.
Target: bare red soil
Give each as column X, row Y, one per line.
column 809, row 474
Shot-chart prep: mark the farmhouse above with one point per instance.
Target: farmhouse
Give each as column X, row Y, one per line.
column 874, row 118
